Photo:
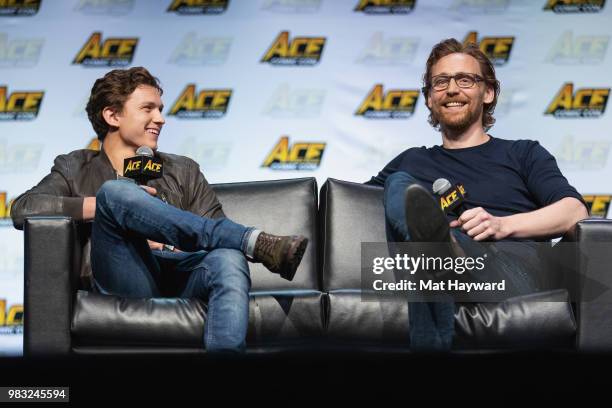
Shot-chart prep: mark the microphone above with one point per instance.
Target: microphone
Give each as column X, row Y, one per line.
column 143, row 167
column 452, row 198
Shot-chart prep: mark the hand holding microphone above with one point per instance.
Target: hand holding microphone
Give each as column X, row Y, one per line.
column 476, row 222
column 142, row 168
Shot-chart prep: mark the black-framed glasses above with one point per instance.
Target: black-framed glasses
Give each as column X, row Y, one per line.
column 462, row 79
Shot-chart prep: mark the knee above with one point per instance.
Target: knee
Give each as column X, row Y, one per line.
column 228, row 266
column 115, row 190
column 399, row 177
column 395, row 185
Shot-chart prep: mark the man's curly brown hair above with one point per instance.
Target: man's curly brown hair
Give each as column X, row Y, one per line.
column 451, row 46
column 112, row 90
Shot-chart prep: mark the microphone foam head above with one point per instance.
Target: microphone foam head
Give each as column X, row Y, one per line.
column 441, row 186
column 144, row 151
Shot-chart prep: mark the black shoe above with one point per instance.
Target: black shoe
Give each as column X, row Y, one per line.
column 280, row 254
column 425, row 220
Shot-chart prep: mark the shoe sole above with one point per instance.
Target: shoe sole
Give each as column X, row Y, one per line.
column 425, row 220
column 294, row 257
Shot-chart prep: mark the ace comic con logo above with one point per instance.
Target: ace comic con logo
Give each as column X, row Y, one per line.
column 194, row 7
column 206, row 104
column 11, row 318
column 19, row 105
column 583, row 103
column 573, row 49
column 598, row 204
column 385, row 6
column 19, row 52
column 299, row 51
column 393, row 104
column 5, row 208
column 575, row 6
column 299, row 156
column 497, row 49
column 19, row 7
column 112, row 52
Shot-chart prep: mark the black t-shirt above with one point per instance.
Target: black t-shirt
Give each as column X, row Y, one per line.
column 504, row 177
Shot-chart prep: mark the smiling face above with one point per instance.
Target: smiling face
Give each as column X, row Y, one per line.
column 458, row 108
column 140, row 121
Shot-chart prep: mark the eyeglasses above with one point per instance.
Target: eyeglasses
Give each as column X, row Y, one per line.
column 462, row 79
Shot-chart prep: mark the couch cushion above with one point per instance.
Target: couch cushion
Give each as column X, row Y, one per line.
column 282, row 207
column 351, row 213
column 274, row 318
column 531, row 321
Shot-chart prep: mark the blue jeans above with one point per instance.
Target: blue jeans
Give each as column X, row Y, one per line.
column 212, row 267
column 432, row 324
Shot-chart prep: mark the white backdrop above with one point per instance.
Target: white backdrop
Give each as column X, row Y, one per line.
column 310, row 104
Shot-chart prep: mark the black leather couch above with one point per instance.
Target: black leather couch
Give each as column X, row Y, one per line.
column 320, row 309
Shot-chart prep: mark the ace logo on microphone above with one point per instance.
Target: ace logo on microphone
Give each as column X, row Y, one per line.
column 452, row 198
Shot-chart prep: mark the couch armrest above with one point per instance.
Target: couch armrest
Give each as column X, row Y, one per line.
column 594, row 315
column 49, row 272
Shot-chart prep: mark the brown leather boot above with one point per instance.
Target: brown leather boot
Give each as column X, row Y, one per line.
column 280, row 254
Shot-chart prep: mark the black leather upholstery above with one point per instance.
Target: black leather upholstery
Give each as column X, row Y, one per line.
column 282, row 207
column 321, row 308
column 351, row 213
column 112, row 320
column 281, row 318
column 539, row 320
column 50, row 282
column 594, row 326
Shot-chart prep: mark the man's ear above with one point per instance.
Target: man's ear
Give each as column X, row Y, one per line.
column 489, row 95
column 110, row 116
column 428, row 101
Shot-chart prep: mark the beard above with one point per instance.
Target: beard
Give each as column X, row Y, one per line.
column 456, row 123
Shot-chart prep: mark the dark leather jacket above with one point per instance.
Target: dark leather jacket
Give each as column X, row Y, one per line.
column 80, row 174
